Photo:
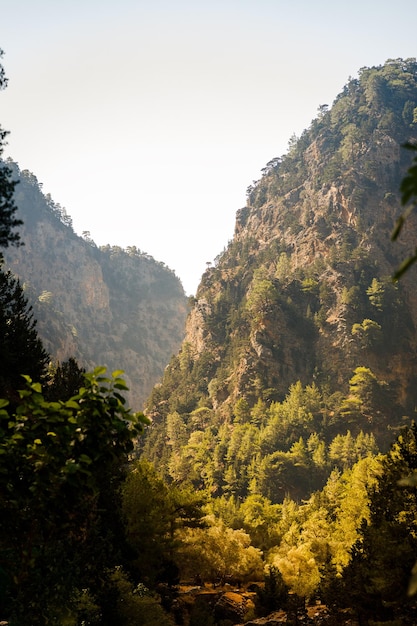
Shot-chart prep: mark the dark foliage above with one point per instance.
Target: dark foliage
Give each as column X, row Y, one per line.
column 65, row 380
column 376, row 580
column 21, row 351
column 273, row 596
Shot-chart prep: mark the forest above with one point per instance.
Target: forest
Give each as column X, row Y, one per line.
column 271, row 477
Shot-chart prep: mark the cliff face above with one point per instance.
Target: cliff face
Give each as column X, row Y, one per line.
column 104, row 306
column 304, row 290
column 320, row 249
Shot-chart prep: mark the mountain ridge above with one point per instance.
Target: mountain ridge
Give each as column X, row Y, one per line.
column 102, row 306
column 303, row 295
column 318, row 219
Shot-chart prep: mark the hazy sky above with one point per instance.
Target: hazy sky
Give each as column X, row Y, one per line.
column 148, row 119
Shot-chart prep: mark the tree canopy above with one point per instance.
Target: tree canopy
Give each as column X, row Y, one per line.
column 61, row 466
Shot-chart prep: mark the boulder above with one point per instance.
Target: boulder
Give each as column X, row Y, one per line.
column 230, row 606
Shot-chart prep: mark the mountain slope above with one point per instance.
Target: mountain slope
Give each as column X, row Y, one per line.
column 104, row 306
column 303, row 295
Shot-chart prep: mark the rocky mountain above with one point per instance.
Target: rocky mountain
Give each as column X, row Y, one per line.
column 103, row 306
column 301, row 301
column 279, row 459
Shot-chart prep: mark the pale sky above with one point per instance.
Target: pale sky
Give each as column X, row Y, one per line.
column 148, row 119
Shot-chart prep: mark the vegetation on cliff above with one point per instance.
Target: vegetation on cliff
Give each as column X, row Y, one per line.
column 297, row 372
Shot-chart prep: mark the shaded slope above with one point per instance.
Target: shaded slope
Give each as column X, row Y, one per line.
column 104, row 306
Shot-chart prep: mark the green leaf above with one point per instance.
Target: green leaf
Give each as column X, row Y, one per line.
column 117, row 373
column 120, row 384
column 121, row 399
column 397, row 228
column 56, row 406
column 24, row 393
column 71, row 404
column 3, row 403
column 405, row 265
column 71, row 466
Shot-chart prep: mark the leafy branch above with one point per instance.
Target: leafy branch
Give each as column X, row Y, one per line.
column 408, row 189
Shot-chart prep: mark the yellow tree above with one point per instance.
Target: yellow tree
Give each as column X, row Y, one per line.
column 219, row 553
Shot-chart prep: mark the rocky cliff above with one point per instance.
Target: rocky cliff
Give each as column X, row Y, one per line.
column 103, row 306
column 303, row 292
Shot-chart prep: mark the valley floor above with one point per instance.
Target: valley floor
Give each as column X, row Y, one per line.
column 229, row 605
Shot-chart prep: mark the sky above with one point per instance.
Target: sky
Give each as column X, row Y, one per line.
column 148, row 119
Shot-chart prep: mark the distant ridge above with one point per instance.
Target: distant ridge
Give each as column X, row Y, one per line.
column 103, row 306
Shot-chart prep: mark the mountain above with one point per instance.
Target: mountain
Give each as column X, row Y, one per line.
column 103, row 306
column 298, row 329
column 278, row 443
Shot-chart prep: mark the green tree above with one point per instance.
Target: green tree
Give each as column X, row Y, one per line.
column 154, row 513
column 274, row 595
column 242, row 411
column 131, row 605
column 299, row 569
column 369, row 401
column 260, row 520
column 243, row 448
column 351, row 296
column 21, row 351
column 219, row 553
column 352, row 507
column 61, row 465
column 280, row 474
column 342, row 450
column 377, row 577
column 261, row 296
column 368, row 332
column 65, row 380
column 376, row 293
column 352, row 143
column 283, row 269
column 148, row 520
column 317, row 450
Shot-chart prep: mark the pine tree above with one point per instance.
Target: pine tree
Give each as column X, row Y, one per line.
column 378, row 576
column 65, row 380
column 21, row 350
